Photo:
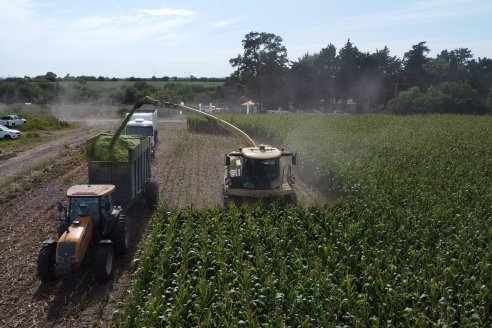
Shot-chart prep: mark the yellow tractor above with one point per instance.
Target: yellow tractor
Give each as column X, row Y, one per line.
column 258, row 174
column 90, row 222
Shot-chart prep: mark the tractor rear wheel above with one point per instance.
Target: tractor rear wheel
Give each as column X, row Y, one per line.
column 152, row 193
column 46, row 263
column 104, row 261
column 120, row 236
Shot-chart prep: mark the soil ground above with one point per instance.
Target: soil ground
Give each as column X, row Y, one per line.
column 189, row 168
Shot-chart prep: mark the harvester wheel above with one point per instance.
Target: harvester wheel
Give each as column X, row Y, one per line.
column 231, row 201
column 152, row 193
column 46, row 263
column 104, row 261
column 120, row 236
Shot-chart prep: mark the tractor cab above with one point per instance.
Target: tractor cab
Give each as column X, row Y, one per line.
column 92, row 201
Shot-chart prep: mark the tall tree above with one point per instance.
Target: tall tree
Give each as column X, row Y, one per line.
column 50, row 76
column 480, row 75
column 348, row 72
column 414, row 72
column 262, row 66
column 449, row 66
column 302, row 81
column 328, row 65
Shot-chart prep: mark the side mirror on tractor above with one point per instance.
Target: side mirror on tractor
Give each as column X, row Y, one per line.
column 59, row 207
column 227, row 160
column 294, row 159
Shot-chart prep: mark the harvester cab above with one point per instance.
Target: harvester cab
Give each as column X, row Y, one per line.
column 258, row 173
column 91, row 221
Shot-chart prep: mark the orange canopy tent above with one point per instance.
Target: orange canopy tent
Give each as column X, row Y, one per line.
column 249, row 103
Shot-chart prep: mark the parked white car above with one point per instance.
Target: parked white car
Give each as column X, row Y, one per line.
column 337, row 113
column 6, row 133
column 12, row 121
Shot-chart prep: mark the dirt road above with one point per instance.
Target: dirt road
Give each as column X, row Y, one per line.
column 21, row 161
column 189, row 168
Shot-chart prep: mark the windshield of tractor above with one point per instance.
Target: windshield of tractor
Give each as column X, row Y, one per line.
column 140, row 131
column 83, row 206
column 261, row 173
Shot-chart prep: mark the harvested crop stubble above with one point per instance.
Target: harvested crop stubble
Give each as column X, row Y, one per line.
column 100, row 148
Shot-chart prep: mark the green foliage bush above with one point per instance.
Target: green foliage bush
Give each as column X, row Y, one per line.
column 448, row 97
column 200, row 124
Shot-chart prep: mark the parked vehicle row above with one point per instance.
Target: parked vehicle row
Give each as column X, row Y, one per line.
column 7, row 125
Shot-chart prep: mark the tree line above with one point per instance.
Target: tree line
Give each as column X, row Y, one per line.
column 49, row 88
column 453, row 81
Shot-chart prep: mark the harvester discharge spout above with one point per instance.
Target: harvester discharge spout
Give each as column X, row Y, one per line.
column 168, row 105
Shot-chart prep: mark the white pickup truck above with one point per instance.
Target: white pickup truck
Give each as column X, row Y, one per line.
column 6, row 133
column 12, row 121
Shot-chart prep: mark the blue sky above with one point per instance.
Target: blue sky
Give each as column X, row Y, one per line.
column 198, row 37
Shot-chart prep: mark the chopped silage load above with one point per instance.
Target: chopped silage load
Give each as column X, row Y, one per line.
column 101, row 153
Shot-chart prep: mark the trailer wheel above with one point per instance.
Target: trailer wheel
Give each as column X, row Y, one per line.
column 120, row 236
column 152, row 193
column 292, row 198
column 46, row 263
column 104, row 261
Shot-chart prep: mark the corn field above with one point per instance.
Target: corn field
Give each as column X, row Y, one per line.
column 406, row 243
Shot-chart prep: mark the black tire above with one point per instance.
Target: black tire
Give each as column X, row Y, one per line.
column 104, row 262
column 120, row 236
column 292, row 199
column 12, row 125
column 8, row 137
column 226, row 202
column 152, row 193
column 46, row 263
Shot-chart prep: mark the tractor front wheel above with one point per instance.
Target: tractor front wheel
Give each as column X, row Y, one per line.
column 120, row 236
column 104, row 261
column 46, row 263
